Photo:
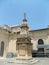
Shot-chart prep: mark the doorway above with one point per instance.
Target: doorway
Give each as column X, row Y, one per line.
column 2, row 48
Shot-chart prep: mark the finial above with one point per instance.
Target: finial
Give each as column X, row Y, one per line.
column 24, row 17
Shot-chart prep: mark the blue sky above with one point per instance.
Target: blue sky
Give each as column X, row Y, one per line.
column 11, row 12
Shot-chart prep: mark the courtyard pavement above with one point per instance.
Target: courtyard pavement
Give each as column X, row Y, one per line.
column 40, row 61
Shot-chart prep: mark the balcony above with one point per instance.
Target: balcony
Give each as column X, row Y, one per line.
column 40, row 46
column 47, row 46
column 43, row 46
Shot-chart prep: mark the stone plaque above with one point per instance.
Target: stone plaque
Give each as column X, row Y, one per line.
column 22, row 51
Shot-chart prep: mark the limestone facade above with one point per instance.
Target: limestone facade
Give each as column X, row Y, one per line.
column 9, row 34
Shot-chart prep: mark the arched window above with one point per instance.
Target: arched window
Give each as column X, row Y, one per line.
column 40, row 43
column 2, row 48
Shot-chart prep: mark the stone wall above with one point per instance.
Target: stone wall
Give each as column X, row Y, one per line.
column 39, row 34
column 4, row 38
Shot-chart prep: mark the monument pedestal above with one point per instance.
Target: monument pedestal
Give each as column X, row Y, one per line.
column 24, row 48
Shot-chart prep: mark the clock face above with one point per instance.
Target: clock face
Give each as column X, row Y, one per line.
column 19, row 29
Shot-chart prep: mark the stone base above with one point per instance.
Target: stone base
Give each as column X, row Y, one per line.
column 24, row 57
column 23, row 61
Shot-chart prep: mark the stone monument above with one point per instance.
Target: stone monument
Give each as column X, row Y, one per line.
column 24, row 45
